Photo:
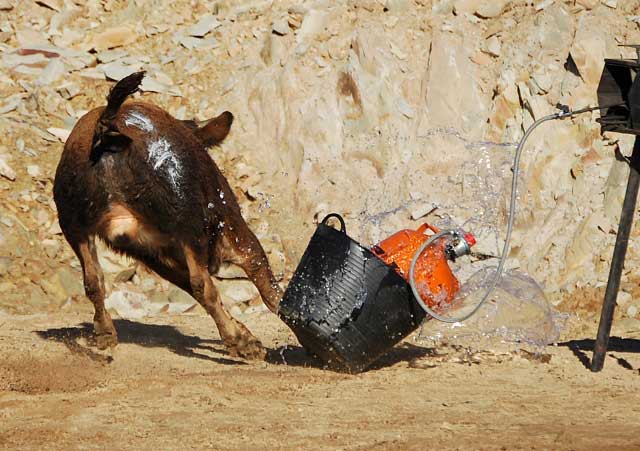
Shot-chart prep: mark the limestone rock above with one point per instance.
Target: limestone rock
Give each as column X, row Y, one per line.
column 114, row 37
column 623, row 298
column 55, row 229
column 117, row 70
column 481, row 58
column 581, row 250
column 110, row 261
column 237, row 291
column 6, row 171
column 278, row 263
column 36, row 297
column 489, row 243
column 151, row 84
column 398, row 6
column 230, row 271
column 130, row 304
column 51, row 247
column 543, row 4
column 422, row 210
column 55, row 5
column 494, row 46
column 147, row 284
column 466, row 6
column 589, row 4
column 449, row 88
column 62, row 285
column 71, row 282
column 61, row 133
column 205, row 25
column 178, row 296
column 125, row 275
column 11, row 103
column 6, row 287
column 589, row 49
column 54, row 70
column 281, row 26
column 614, row 189
column 491, row 8
column 5, row 264
column 33, row 170
column 314, row 22
column 443, row 7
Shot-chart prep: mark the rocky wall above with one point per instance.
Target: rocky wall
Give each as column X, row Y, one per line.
column 391, row 112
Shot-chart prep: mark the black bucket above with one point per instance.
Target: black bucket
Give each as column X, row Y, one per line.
column 344, row 304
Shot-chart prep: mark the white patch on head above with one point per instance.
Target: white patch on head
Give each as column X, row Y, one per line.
column 138, row 120
column 163, row 159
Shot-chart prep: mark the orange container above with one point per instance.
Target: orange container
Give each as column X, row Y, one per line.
column 434, row 279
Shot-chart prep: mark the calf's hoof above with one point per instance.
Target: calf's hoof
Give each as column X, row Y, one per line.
column 248, row 348
column 106, row 340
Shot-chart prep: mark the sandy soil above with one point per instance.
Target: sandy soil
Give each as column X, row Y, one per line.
column 171, row 385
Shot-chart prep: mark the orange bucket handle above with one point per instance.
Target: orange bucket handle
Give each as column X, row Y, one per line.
column 426, row 226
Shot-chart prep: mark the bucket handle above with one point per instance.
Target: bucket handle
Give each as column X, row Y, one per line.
column 343, row 228
column 426, row 226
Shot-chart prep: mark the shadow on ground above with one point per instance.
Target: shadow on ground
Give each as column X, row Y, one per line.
column 297, row 356
column 616, row 344
column 81, row 341
column 147, row 335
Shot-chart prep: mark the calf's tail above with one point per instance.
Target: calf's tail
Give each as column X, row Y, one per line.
column 106, row 137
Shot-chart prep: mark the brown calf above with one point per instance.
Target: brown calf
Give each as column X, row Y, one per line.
column 143, row 182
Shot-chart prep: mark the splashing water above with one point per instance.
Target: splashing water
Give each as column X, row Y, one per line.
column 481, row 181
column 282, row 350
column 518, row 312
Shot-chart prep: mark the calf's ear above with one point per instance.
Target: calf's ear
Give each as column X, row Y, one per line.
column 215, row 130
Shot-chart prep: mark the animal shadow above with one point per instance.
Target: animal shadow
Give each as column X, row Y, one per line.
column 616, row 344
column 146, row 335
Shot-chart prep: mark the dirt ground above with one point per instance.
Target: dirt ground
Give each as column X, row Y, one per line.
column 170, row 385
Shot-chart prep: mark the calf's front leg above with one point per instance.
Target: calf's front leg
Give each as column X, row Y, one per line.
column 235, row 335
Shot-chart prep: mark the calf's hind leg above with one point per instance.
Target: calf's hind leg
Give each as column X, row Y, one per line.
column 85, row 249
column 247, row 252
column 235, row 335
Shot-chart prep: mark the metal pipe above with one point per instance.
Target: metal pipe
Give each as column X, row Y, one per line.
column 617, row 261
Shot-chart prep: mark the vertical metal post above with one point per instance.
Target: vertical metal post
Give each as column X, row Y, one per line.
column 617, row 261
